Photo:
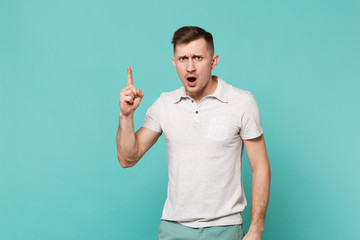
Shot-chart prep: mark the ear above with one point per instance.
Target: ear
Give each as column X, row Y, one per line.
column 215, row 60
column 173, row 61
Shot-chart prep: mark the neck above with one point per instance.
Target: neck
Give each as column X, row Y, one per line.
column 210, row 88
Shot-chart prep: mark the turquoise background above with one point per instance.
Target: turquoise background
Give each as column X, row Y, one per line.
column 63, row 65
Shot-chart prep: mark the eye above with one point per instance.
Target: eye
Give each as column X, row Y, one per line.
column 182, row 58
column 198, row 57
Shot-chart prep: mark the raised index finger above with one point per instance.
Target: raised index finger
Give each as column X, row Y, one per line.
column 129, row 76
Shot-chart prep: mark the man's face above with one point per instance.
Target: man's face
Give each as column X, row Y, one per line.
column 193, row 62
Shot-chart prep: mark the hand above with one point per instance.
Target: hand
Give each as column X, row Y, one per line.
column 252, row 236
column 130, row 97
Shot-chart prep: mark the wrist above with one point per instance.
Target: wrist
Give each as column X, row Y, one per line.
column 256, row 229
column 127, row 116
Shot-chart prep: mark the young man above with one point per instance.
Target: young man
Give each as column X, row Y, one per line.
column 206, row 124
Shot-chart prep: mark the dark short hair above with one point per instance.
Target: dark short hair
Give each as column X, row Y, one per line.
column 191, row 33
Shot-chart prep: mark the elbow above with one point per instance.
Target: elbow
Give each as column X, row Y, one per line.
column 262, row 170
column 268, row 171
column 126, row 166
column 269, row 174
column 124, row 163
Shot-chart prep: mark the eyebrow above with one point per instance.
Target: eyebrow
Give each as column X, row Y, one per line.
column 194, row 56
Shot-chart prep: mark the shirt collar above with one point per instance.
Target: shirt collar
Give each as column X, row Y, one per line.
column 220, row 92
column 179, row 94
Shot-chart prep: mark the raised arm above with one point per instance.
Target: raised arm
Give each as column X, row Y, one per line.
column 261, row 174
column 132, row 146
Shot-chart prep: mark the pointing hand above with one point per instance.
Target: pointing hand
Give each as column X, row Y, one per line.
column 130, row 97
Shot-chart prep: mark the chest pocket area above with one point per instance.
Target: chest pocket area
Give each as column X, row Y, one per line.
column 221, row 129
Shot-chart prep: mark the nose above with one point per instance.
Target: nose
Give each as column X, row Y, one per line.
column 190, row 67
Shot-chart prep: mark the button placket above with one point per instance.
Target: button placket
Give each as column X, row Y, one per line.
column 196, row 118
column 196, row 108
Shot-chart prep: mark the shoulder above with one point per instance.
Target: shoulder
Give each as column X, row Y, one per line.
column 238, row 95
column 240, row 101
column 167, row 98
column 173, row 96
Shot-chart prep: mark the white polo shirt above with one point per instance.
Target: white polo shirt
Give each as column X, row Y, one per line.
column 204, row 144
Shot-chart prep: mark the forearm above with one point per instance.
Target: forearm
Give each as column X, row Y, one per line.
column 260, row 198
column 126, row 140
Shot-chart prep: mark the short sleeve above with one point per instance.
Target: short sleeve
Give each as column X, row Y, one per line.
column 251, row 123
column 153, row 116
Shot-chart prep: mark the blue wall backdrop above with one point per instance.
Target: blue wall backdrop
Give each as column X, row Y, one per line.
column 63, row 65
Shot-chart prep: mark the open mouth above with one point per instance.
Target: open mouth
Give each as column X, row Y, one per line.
column 191, row 79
